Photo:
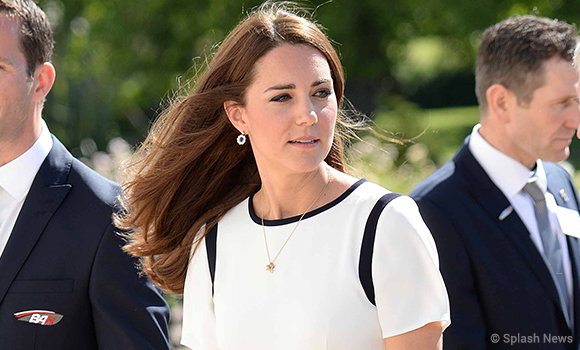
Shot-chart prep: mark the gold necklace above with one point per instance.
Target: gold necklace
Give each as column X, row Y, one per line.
column 270, row 267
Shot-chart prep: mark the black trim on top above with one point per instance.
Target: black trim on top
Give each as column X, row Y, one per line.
column 210, row 246
column 292, row 219
column 366, row 252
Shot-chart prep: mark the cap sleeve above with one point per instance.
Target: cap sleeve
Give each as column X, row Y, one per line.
column 198, row 332
column 409, row 289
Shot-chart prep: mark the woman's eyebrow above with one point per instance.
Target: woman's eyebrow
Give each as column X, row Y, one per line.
column 320, row 82
column 292, row 86
column 281, row 87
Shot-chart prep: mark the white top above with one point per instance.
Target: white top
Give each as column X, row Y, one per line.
column 314, row 299
column 510, row 176
column 15, row 181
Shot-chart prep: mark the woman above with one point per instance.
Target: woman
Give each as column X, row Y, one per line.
column 239, row 200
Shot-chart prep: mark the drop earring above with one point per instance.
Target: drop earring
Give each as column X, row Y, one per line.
column 241, row 139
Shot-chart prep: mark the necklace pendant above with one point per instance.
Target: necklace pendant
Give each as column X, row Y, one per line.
column 270, row 267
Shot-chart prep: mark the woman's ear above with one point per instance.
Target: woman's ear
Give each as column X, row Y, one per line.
column 235, row 112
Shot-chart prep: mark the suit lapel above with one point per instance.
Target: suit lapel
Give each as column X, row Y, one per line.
column 555, row 186
column 494, row 202
column 47, row 192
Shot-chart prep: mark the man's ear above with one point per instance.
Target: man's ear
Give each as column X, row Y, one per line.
column 235, row 112
column 44, row 76
column 501, row 102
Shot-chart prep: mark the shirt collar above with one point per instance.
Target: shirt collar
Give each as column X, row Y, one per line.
column 541, row 175
column 17, row 175
column 509, row 175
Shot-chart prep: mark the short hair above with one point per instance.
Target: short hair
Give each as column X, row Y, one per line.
column 36, row 41
column 512, row 53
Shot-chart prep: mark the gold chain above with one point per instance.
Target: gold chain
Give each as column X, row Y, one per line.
column 270, row 267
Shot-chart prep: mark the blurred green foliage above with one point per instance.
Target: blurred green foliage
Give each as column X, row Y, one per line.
column 432, row 137
column 117, row 60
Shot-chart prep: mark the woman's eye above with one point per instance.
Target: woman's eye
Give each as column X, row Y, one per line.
column 281, row 98
column 322, row 93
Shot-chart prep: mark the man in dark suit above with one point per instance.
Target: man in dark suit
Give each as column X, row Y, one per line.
column 65, row 282
column 504, row 217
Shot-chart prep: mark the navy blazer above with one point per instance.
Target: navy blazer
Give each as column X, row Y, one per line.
column 64, row 256
column 499, row 286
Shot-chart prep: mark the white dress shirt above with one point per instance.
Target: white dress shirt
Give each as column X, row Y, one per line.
column 15, row 181
column 510, row 176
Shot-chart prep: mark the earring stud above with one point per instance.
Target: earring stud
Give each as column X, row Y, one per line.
column 241, row 139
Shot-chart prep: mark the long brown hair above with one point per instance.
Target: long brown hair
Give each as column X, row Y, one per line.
column 189, row 171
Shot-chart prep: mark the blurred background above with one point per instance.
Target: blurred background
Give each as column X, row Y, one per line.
column 409, row 66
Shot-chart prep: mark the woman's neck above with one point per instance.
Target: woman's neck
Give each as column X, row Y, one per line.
column 286, row 196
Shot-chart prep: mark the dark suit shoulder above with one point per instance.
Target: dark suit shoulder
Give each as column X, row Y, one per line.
column 93, row 184
column 561, row 185
column 60, row 168
column 555, row 172
column 438, row 186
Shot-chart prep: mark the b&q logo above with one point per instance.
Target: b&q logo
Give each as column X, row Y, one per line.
column 40, row 317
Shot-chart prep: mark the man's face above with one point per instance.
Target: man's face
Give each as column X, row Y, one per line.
column 16, row 87
column 544, row 129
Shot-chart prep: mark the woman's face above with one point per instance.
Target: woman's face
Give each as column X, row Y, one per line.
column 290, row 110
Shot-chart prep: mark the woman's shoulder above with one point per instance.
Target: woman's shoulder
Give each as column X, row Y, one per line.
column 239, row 211
column 387, row 202
column 365, row 190
column 362, row 195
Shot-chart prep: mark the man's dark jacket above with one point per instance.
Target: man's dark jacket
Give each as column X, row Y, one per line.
column 497, row 280
column 64, row 256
